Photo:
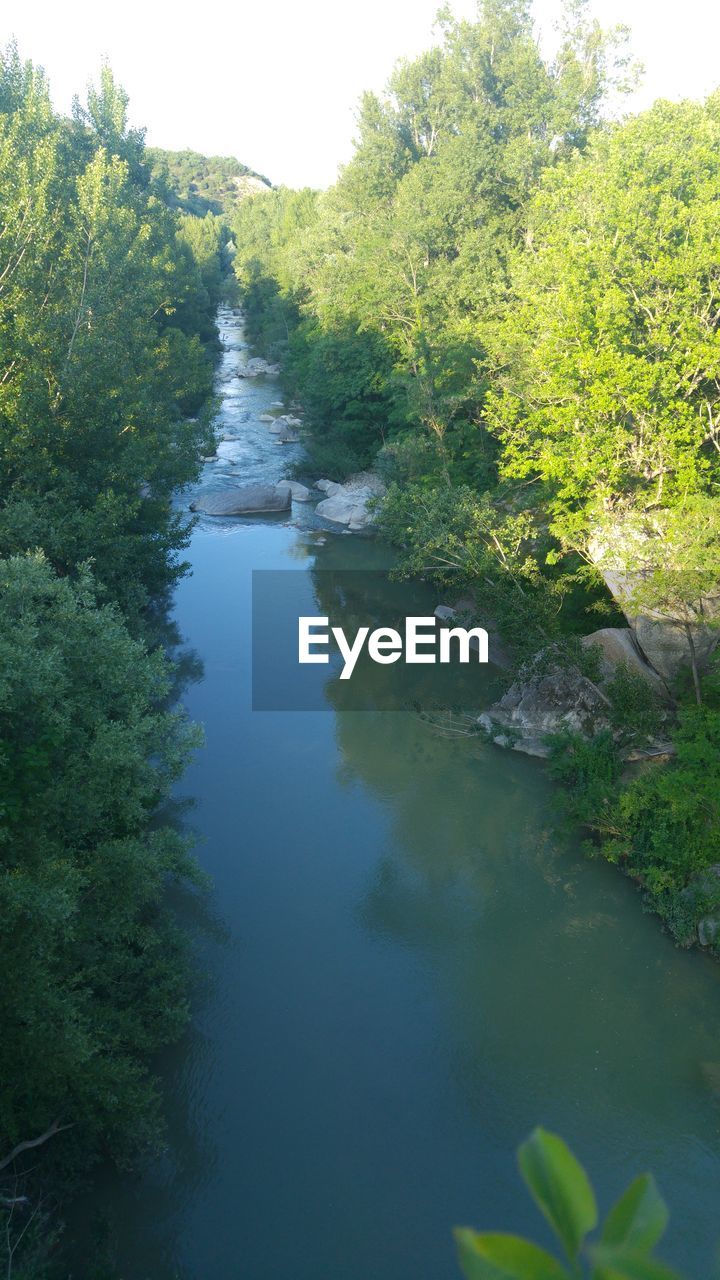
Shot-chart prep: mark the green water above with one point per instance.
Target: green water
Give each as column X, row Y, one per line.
column 401, row 971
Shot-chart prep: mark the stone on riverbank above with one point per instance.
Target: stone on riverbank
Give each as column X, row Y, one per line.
column 623, row 553
column 555, row 701
column 617, row 646
column 349, row 504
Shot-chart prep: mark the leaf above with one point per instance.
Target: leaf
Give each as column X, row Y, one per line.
column 501, row 1257
column 628, row 1264
column 639, row 1218
column 560, row 1187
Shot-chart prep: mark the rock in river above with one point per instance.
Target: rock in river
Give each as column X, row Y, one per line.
column 298, row 492
column 244, row 500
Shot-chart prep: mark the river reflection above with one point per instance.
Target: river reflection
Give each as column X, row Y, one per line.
column 403, row 970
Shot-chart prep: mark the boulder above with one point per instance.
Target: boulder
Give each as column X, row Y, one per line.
column 298, row 492
column 444, row 613
column 266, row 417
column 349, row 504
column 345, row 510
column 245, row 500
column 554, row 701
column 665, row 644
column 708, row 930
column 618, row 646
column 661, row 637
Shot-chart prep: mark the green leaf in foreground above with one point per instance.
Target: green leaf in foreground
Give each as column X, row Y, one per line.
column 639, row 1218
column 491, row 1256
column 628, row 1264
column 560, row 1187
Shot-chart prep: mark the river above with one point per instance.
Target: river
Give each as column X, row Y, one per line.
column 401, row 970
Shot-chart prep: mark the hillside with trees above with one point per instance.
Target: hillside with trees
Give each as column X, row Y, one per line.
column 201, row 184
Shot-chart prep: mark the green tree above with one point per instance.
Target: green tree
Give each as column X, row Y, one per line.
column 607, row 365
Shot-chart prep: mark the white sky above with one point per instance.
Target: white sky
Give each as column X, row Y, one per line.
column 276, row 82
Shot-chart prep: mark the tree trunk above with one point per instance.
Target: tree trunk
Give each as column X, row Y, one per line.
column 693, row 663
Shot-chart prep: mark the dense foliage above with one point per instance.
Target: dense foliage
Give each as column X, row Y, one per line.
column 508, row 305
column 106, row 304
column 406, row 254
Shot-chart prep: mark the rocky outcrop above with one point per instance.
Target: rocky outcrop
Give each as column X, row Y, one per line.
column 554, row 701
column 625, row 556
column 618, row 646
column 244, row 500
column 350, row 504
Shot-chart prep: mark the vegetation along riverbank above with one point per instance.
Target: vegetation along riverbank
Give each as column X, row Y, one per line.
column 507, row 307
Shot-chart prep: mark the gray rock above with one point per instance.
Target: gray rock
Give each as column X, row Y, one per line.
column 708, row 930
column 661, row 637
column 245, row 500
column 298, row 492
column 664, row 643
column 555, row 701
column 349, row 504
column 617, row 645
column 444, row 613
column 344, row 509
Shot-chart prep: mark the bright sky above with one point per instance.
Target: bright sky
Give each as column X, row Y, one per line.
column 276, row 82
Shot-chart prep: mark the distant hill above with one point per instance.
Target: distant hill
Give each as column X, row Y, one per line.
column 205, row 184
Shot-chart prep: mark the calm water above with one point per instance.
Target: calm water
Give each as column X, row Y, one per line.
column 404, row 972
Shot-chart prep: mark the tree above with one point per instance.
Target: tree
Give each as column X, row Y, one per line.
column 608, row 382
column 94, row 975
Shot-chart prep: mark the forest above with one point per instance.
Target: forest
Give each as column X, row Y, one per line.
column 107, row 298
column 508, row 307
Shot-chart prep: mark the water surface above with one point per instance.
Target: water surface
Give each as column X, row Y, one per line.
column 405, row 972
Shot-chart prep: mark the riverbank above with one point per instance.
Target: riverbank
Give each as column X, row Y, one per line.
column 404, row 970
